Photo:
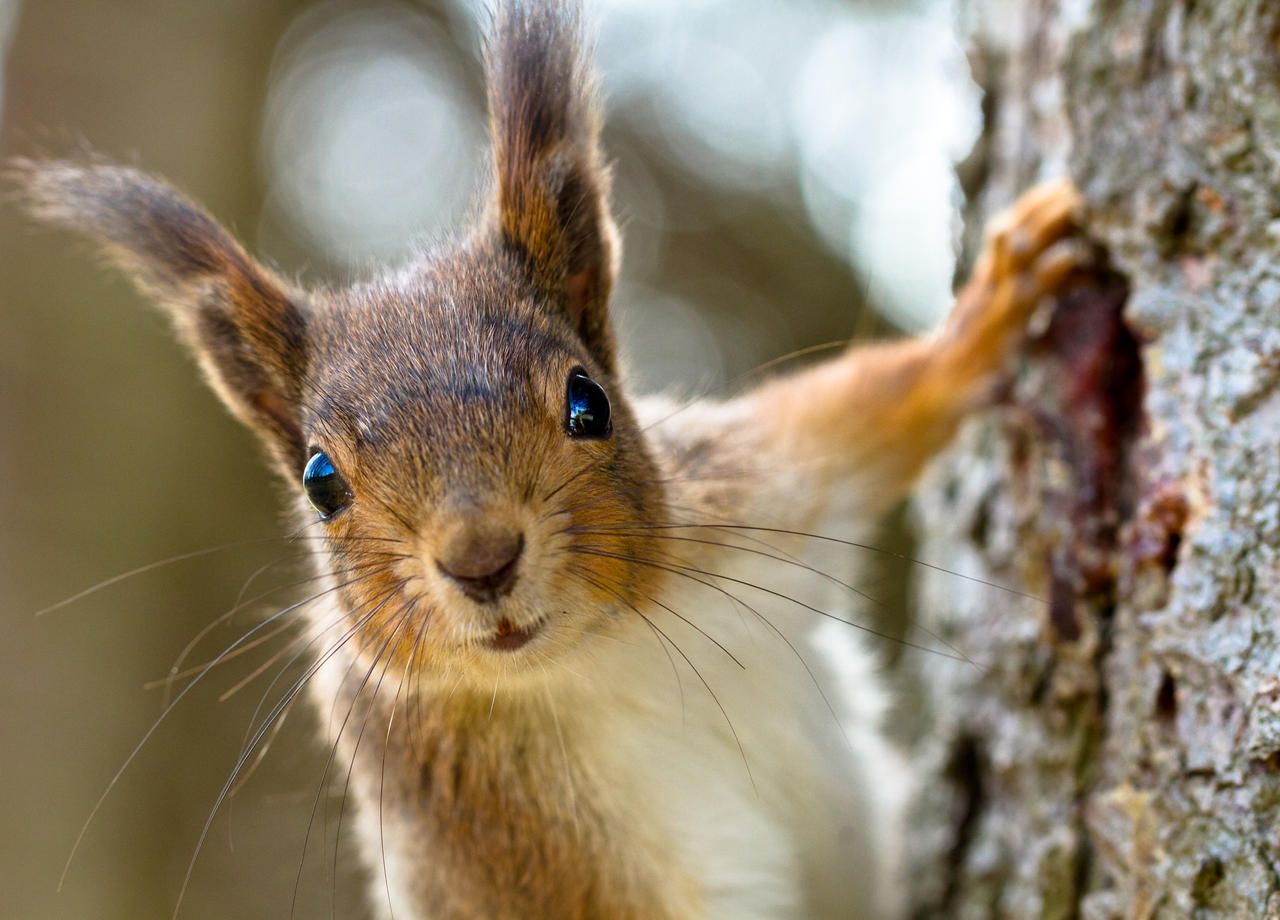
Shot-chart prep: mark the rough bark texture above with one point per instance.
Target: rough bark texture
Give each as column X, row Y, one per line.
column 1116, row 753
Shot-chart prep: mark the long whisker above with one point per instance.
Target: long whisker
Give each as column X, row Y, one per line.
column 386, row 744
column 402, row 618
column 684, row 570
column 817, row 685
column 853, row 544
column 776, row 556
column 382, row 785
column 786, row 559
column 97, row 806
column 614, row 494
column 413, row 668
column 747, row 375
column 263, row 569
column 174, row 675
column 572, row 477
column 168, row 680
column 258, row 671
column 261, row 754
column 589, row 577
column 240, row 604
column 266, row 694
column 706, row 635
column 183, row 557
column 729, row 722
column 150, row 567
column 262, row 731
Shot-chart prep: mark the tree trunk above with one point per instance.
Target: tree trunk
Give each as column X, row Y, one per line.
column 1115, row 750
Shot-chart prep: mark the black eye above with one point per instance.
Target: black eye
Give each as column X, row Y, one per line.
column 586, row 413
column 326, row 489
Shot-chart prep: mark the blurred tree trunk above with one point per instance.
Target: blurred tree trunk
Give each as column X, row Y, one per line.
column 1117, row 752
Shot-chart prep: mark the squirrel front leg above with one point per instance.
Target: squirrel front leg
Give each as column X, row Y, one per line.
column 881, row 411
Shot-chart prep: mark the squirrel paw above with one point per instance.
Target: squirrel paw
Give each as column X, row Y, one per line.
column 1029, row 252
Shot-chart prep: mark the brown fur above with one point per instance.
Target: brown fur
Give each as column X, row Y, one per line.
column 517, row 829
column 438, row 393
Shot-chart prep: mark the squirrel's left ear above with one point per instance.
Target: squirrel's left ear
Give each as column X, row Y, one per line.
column 552, row 194
column 246, row 326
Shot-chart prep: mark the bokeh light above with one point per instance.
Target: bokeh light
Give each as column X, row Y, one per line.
column 851, row 113
column 370, row 134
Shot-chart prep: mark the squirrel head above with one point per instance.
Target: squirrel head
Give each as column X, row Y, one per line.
column 456, row 429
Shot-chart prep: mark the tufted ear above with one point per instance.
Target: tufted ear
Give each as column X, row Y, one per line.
column 246, row 327
column 552, row 187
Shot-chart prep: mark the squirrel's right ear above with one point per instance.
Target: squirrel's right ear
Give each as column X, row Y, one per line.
column 552, row 184
column 245, row 325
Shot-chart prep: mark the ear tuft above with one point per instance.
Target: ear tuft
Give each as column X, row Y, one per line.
column 154, row 230
column 552, row 185
column 245, row 325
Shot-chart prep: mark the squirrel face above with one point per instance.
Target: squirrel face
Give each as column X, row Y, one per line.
column 482, row 481
column 465, row 452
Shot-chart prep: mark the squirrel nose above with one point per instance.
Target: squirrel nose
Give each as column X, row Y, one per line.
column 481, row 559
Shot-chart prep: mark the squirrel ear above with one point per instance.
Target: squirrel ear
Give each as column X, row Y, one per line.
column 246, row 327
column 552, row 186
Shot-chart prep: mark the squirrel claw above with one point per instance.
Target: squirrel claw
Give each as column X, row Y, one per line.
column 1030, row 251
column 1036, row 221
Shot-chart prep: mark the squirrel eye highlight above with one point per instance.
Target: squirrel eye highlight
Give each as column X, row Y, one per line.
column 586, row 407
column 326, row 489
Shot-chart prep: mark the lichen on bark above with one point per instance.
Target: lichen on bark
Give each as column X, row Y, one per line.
column 1115, row 752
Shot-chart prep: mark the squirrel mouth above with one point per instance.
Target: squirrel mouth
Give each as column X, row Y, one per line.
column 508, row 637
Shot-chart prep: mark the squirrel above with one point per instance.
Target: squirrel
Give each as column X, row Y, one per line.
column 567, row 616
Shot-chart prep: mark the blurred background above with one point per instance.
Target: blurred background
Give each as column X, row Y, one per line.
column 783, row 178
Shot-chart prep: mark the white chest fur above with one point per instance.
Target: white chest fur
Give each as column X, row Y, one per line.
column 768, row 772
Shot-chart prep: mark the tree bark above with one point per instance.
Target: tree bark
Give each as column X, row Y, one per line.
column 1114, row 752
